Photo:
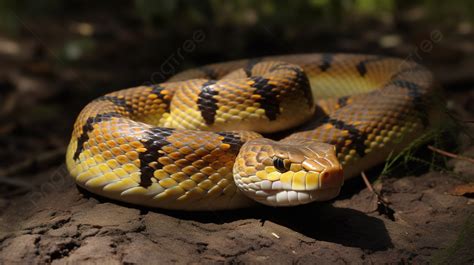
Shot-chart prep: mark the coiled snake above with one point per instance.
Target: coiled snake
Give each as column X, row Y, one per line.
column 194, row 142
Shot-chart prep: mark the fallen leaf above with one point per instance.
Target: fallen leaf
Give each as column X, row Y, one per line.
column 466, row 190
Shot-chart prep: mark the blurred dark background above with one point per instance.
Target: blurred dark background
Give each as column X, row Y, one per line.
column 55, row 56
column 58, row 55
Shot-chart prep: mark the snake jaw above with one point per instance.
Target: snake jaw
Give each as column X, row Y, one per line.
column 312, row 172
column 277, row 195
column 284, row 193
column 292, row 198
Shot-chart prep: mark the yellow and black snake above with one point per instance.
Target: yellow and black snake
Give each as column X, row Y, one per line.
column 194, row 142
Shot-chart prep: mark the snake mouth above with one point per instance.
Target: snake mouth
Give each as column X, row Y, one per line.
column 294, row 197
column 283, row 192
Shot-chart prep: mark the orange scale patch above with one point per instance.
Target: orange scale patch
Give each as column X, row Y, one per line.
column 116, row 151
column 198, row 177
column 228, row 158
column 108, row 137
column 209, row 158
column 131, row 138
column 132, row 155
column 126, row 147
column 97, row 133
column 136, row 144
column 153, row 164
column 86, row 145
column 191, row 157
column 190, row 170
column 215, row 177
column 179, row 176
column 121, row 140
column 168, row 149
column 98, row 137
column 220, row 151
column 209, row 146
column 199, row 163
column 182, row 163
column 207, row 170
column 165, row 160
column 175, row 155
column 141, row 150
column 116, row 135
column 194, row 146
column 171, row 169
column 103, row 146
column 201, row 152
column 137, row 163
column 107, row 154
column 217, row 164
column 111, row 143
column 95, row 150
column 122, row 159
column 186, row 150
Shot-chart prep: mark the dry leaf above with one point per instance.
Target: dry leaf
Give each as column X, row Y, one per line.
column 463, row 190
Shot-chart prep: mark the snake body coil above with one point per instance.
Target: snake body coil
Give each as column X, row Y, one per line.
column 193, row 143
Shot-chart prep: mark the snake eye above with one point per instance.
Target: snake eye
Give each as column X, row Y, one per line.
column 280, row 164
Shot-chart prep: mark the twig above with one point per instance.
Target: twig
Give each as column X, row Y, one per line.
column 448, row 154
column 383, row 207
column 371, row 189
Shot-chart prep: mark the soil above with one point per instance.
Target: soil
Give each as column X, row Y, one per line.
column 65, row 226
column 45, row 218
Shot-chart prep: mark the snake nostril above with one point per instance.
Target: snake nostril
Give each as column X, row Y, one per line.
column 331, row 179
column 324, row 175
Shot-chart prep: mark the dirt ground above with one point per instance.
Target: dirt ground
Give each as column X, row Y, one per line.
column 67, row 226
column 45, row 218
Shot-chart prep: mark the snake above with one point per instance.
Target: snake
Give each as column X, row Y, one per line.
column 280, row 130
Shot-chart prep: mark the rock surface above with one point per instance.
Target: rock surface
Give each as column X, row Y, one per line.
column 62, row 225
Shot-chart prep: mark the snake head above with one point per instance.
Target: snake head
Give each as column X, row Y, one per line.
column 289, row 172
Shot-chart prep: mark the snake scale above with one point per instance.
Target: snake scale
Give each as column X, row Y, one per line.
column 195, row 142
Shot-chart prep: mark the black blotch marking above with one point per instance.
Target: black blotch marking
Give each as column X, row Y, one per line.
column 357, row 137
column 301, row 79
column 88, row 127
column 361, row 68
column 326, row 63
column 207, row 104
column 415, row 93
column 362, row 65
column 119, row 102
column 268, row 97
column 210, row 72
column 342, row 101
column 153, row 141
column 156, row 89
column 233, row 139
column 250, row 64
